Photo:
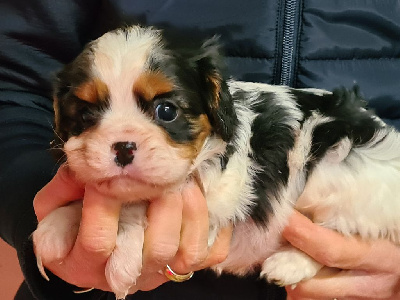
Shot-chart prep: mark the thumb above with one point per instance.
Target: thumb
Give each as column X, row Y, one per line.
column 61, row 190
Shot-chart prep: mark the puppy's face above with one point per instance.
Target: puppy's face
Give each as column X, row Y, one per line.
column 133, row 115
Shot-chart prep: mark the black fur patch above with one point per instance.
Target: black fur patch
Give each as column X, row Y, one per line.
column 195, row 71
column 75, row 115
column 272, row 139
column 187, row 96
column 349, row 117
column 183, row 129
column 270, row 143
column 200, row 69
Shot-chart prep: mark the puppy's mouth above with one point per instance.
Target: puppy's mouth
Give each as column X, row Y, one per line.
column 127, row 188
column 125, row 179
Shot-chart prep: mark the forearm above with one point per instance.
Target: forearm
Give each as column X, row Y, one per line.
column 26, row 166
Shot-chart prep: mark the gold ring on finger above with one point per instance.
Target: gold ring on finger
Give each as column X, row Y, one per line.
column 171, row 275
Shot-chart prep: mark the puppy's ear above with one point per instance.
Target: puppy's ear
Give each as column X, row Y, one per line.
column 60, row 134
column 69, row 86
column 219, row 102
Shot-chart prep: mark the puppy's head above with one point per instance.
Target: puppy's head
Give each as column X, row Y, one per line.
column 132, row 112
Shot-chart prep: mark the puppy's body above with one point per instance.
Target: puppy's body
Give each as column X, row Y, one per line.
column 138, row 118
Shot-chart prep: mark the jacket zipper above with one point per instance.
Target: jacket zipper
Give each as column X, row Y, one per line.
column 289, row 41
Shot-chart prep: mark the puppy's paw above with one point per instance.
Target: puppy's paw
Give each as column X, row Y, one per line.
column 56, row 234
column 289, row 266
column 125, row 263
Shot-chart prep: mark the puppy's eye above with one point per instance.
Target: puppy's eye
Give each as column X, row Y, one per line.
column 166, row 111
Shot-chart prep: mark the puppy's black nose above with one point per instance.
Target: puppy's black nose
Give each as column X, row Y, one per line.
column 124, row 153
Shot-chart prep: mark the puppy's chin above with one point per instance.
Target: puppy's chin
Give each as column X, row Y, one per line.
column 127, row 189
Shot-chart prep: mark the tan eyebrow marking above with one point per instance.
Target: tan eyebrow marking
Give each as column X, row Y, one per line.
column 150, row 84
column 91, row 91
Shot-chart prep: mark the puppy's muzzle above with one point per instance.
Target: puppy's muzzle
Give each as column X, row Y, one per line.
column 124, row 153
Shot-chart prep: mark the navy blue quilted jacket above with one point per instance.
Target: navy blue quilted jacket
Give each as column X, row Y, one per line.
column 300, row 43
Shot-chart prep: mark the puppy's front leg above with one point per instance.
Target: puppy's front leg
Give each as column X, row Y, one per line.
column 289, row 266
column 125, row 263
column 56, row 234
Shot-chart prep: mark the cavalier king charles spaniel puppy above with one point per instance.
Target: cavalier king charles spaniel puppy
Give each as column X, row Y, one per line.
column 138, row 114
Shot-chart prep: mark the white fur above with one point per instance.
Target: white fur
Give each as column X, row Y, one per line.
column 366, row 181
column 282, row 98
column 56, row 234
column 120, row 57
column 289, row 266
column 125, row 262
column 229, row 194
column 315, row 91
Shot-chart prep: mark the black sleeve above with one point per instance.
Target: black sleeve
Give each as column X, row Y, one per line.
column 36, row 39
column 26, row 166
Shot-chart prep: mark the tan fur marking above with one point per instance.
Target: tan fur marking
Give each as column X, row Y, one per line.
column 151, row 84
column 190, row 150
column 215, row 81
column 204, row 128
column 91, row 91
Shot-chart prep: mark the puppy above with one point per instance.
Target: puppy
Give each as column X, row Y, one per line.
column 138, row 116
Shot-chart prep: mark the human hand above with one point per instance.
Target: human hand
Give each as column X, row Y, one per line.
column 85, row 264
column 177, row 234
column 356, row 269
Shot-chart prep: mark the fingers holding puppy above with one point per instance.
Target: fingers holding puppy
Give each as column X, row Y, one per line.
column 356, row 268
column 332, row 283
column 74, row 238
column 193, row 246
column 177, row 235
column 344, row 252
column 84, row 264
column 162, row 235
column 194, row 252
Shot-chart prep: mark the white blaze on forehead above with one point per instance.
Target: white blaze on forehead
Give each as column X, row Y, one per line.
column 120, row 57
